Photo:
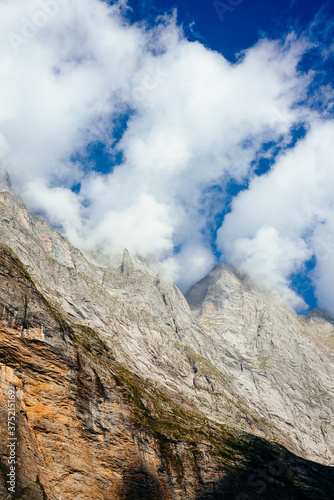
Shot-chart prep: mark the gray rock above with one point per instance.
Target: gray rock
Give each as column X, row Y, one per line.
column 5, row 182
column 236, row 352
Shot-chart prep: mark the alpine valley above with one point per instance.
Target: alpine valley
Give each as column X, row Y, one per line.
column 127, row 390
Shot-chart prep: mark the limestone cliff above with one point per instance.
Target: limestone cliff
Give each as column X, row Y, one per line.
column 125, row 392
column 88, row 428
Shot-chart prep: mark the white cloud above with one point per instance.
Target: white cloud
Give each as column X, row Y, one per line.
column 194, row 120
column 270, row 259
column 61, row 205
column 293, row 207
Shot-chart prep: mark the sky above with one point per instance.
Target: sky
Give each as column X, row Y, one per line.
column 197, row 131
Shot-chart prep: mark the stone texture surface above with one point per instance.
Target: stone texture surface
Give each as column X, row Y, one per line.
column 288, row 356
column 235, row 356
column 88, row 428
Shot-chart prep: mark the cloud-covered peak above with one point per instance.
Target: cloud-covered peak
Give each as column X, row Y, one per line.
column 286, row 216
column 174, row 122
column 5, row 182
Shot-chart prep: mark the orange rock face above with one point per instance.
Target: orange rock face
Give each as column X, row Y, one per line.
column 74, row 428
column 76, row 450
column 47, row 243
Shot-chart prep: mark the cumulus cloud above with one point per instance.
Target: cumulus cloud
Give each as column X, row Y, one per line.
column 270, row 259
column 286, row 216
column 71, row 73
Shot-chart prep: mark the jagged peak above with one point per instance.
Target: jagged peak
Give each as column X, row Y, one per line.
column 5, row 182
column 197, row 294
column 127, row 264
column 318, row 313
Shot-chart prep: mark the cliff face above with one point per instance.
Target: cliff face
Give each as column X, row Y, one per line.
column 124, row 391
column 289, row 356
column 88, row 428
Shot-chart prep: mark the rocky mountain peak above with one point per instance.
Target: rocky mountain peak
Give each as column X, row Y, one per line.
column 211, row 292
column 237, row 359
column 5, row 182
column 127, row 265
column 320, row 315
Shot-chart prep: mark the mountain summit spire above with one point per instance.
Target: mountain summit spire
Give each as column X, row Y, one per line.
column 5, row 182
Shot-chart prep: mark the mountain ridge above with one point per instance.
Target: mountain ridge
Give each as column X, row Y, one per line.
column 88, row 428
column 250, row 364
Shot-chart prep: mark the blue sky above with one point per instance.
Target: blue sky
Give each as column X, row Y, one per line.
column 231, row 28
column 231, row 31
column 196, row 131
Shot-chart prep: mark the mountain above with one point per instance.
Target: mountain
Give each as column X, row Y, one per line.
column 126, row 389
column 291, row 369
column 5, row 182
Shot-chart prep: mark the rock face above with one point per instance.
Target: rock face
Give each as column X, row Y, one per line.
column 5, row 182
column 288, row 357
column 126, row 391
